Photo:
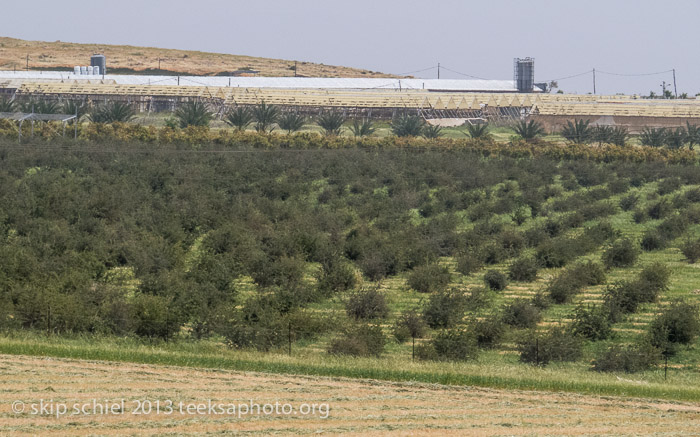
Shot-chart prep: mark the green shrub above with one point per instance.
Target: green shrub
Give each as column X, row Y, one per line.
column 557, row 252
column 478, row 298
column 488, row 331
column 651, row 240
column 591, row 322
column 407, row 125
column 521, row 314
column 691, row 250
column 628, row 359
column 493, row 253
column 362, row 340
column 541, row 300
column 193, row 114
column 622, row 253
column 656, row 276
column 669, row 185
column 468, row 263
column 640, row 216
column 677, row 324
column 495, row 280
column 368, row 303
column 556, row 344
column 409, row 324
column 660, row 209
column 523, row 269
column 445, row 308
column 429, row 278
column 629, row 201
column 453, row 345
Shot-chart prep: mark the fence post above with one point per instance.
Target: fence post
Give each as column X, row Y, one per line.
column 290, row 338
column 413, row 352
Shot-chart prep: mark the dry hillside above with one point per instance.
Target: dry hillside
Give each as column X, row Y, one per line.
column 123, row 59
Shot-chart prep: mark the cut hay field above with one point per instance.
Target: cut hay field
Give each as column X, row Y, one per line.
column 45, row 55
column 356, row 407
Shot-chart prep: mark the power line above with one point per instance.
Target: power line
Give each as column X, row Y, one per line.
column 463, row 74
column 634, row 74
column 570, row 77
column 417, row 71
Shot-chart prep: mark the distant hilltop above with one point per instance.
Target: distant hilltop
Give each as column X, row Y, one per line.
column 17, row 54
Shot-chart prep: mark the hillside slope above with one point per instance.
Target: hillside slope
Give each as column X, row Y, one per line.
column 128, row 59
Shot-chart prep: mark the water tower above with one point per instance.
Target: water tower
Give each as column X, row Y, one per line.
column 524, row 74
column 99, row 61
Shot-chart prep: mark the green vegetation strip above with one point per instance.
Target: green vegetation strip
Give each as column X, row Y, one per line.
column 501, row 376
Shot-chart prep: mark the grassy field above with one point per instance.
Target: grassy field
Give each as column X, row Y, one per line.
column 345, row 406
column 130, row 59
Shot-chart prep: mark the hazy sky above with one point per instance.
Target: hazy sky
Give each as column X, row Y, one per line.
column 477, row 38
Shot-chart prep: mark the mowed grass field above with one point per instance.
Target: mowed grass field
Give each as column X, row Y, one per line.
column 356, row 407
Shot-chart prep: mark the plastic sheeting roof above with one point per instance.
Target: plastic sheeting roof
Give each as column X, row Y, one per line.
column 272, row 82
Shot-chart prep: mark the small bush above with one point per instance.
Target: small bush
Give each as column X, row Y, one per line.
column 445, row 308
column 429, row 278
column 454, row 345
column 495, row 280
column 677, row 324
column 622, row 253
column 691, row 250
column 563, row 287
column 587, row 273
column 555, row 345
column 651, row 240
column 468, row 263
column 557, row 252
column 541, row 300
column 639, row 216
column 478, row 298
column 660, row 209
column 521, row 314
column 656, row 277
column 592, row 323
column 361, row 340
column 673, row 227
column 493, row 254
column 488, row 331
column 523, row 269
column 409, row 324
column 368, row 303
column 628, row 202
column 669, row 185
column 628, row 359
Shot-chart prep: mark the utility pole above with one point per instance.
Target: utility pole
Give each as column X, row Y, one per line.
column 295, row 68
column 675, row 90
column 27, row 62
column 159, row 63
column 594, row 81
column 663, row 88
column 438, row 70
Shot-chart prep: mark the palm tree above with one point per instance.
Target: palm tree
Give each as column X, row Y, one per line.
column 528, row 130
column 675, row 138
column 7, row 105
column 480, row 131
column 692, row 135
column 194, row 114
column 362, row 128
column 331, row 122
column 39, row 106
column 431, row 132
column 407, row 125
column 112, row 112
column 619, row 135
column 602, row 134
column 240, row 118
column 73, row 107
column 265, row 116
column 653, row 137
column 291, row 122
column 577, row 132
